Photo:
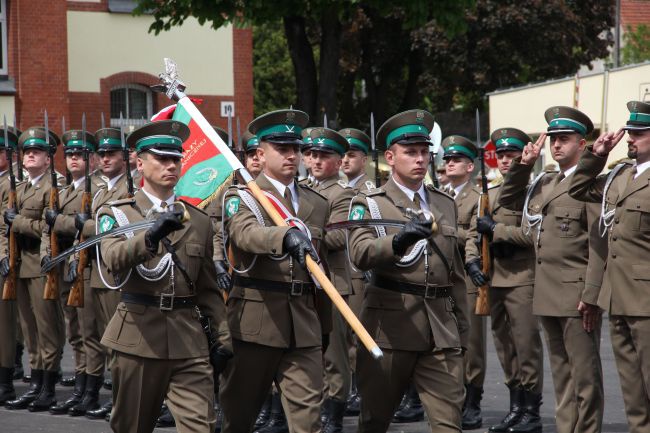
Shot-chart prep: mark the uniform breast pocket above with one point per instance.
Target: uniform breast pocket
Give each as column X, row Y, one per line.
column 195, row 253
column 31, row 212
column 450, row 238
column 637, row 215
column 567, row 221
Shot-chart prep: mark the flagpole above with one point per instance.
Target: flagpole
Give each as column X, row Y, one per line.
column 174, row 89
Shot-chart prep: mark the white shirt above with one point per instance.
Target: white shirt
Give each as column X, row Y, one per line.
column 36, row 179
column 411, row 194
column 158, row 202
column 2, row 173
column 640, row 168
column 78, row 182
column 354, row 181
column 282, row 187
column 457, row 189
column 111, row 182
column 569, row 172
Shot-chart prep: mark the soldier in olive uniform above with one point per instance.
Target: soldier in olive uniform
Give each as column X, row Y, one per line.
column 159, row 348
column 305, row 151
column 8, row 319
column 276, row 314
column 625, row 196
column 514, row 327
column 459, row 155
column 415, row 304
column 570, row 256
column 41, row 319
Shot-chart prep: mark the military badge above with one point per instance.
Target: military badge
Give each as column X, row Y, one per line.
column 232, row 206
column 357, row 213
column 106, row 223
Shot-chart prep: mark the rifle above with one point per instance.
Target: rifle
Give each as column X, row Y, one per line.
column 125, row 157
column 9, row 289
column 76, row 296
column 373, row 147
column 51, row 290
column 19, row 160
column 432, row 165
column 482, row 302
column 68, row 175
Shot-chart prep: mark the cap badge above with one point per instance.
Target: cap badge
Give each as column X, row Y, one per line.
column 31, row 132
column 556, row 112
column 174, row 127
column 291, row 116
column 290, row 128
column 634, row 107
column 452, row 140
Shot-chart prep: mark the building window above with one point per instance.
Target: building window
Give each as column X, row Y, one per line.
column 135, row 104
column 3, row 34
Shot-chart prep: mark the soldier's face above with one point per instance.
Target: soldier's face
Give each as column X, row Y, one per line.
column 566, row 148
column 324, row 164
column 354, row 161
column 458, row 168
column 4, row 163
column 111, row 163
column 504, row 160
column 75, row 164
column 133, row 159
column 306, row 159
column 35, row 159
column 253, row 164
column 159, row 170
column 638, row 145
column 279, row 161
column 408, row 163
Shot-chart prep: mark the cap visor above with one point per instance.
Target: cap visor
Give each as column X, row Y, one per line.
column 414, row 140
column 165, row 152
column 636, row 127
column 322, row 149
column 561, row 131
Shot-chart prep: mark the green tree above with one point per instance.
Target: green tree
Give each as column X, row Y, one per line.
column 636, row 47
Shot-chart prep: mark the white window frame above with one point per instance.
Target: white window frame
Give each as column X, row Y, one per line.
column 4, row 70
column 127, row 122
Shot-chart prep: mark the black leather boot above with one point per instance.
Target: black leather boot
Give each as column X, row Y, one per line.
column 19, row 372
column 68, row 381
column 35, row 386
column 75, row 398
column 219, row 415
column 353, row 404
column 530, row 422
column 325, row 412
column 7, row 391
column 515, row 414
column 47, row 397
column 410, row 409
column 265, row 413
column 165, row 419
column 108, row 384
column 335, row 419
column 101, row 412
column 277, row 421
column 90, row 398
column 472, row 415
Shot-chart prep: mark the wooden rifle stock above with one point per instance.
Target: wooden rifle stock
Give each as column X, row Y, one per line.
column 9, row 289
column 51, row 290
column 482, row 302
column 76, row 296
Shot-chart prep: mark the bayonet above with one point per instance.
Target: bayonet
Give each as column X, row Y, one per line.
column 19, row 159
column 373, row 147
column 9, row 288
column 51, row 290
column 482, row 307
column 126, row 158
column 102, row 120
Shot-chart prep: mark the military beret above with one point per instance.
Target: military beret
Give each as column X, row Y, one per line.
column 164, row 137
column 12, row 137
column 509, row 139
column 34, row 137
column 408, row 127
column 75, row 140
column 328, row 140
column 251, row 142
column 639, row 116
column 358, row 139
column 457, row 145
column 280, row 127
column 567, row 120
column 109, row 139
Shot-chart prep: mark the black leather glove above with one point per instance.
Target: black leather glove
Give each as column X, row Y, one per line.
column 473, row 269
column 4, row 267
column 325, row 342
column 224, row 281
column 298, row 246
column 80, row 219
column 412, row 232
column 72, row 272
column 50, row 216
column 485, row 225
column 10, row 215
column 219, row 359
column 45, row 260
column 166, row 223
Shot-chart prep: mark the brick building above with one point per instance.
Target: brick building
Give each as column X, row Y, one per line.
column 94, row 57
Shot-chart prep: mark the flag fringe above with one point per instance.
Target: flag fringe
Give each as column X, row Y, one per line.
column 224, row 185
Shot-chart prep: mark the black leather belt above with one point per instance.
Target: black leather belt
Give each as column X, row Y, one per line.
column 412, row 289
column 294, row 288
column 166, row 302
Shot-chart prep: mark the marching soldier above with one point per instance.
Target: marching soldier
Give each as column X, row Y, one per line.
column 624, row 195
column 8, row 319
column 415, row 304
column 253, row 163
column 570, row 261
column 514, row 327
column 41, row 320
column 276, row 314
column 169, row 293
column 328, row 149
column 459, row 155
column 305, row 150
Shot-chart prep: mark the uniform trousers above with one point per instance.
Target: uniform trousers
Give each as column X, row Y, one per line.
column 337, row 362
column 516, row 337
column 631, row 345
column 91, row 321
column 577, row 374
column 42, row 324
column 354, row 301
column 298, row 373
column 73, row 326
column 475, row 357
column 438, row 379
column 141, row 384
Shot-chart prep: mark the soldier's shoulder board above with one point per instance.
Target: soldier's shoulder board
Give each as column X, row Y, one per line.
column 190, row 205
column 343, row 184
column 439, row 192
column 310, row 189
column 374, row 191
column 122, row 202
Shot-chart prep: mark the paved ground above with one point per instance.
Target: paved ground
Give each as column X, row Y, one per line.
column 495, row 402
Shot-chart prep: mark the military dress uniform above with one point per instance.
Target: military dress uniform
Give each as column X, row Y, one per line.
column 41, row 320
column 159, row 348
column 276, row 315
column 415, row 306
column 625, row 194
column 570, row 259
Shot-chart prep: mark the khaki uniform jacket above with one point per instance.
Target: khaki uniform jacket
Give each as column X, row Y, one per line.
column 626, row 285
column 511, row 250
column 467, row 203
column 338, row 195
column 363, row 183
column 30, row 222
column 401, row 321
column 214, row 210
column 570, row 253
column 147, row 331
column 267, row 317
column 4, row 203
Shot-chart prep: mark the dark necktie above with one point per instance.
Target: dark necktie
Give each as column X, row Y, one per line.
column 289, row 197
column 416, row 201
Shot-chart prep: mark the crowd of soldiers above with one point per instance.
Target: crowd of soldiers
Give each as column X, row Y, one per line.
column 208, row 318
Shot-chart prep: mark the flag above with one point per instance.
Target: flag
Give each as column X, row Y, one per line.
column 207, row 163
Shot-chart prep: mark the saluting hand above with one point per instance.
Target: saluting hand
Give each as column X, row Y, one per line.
column 590, row 315
column 532, row 150
column 607, row 141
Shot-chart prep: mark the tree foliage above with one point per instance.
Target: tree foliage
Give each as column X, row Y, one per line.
column 636, row 48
